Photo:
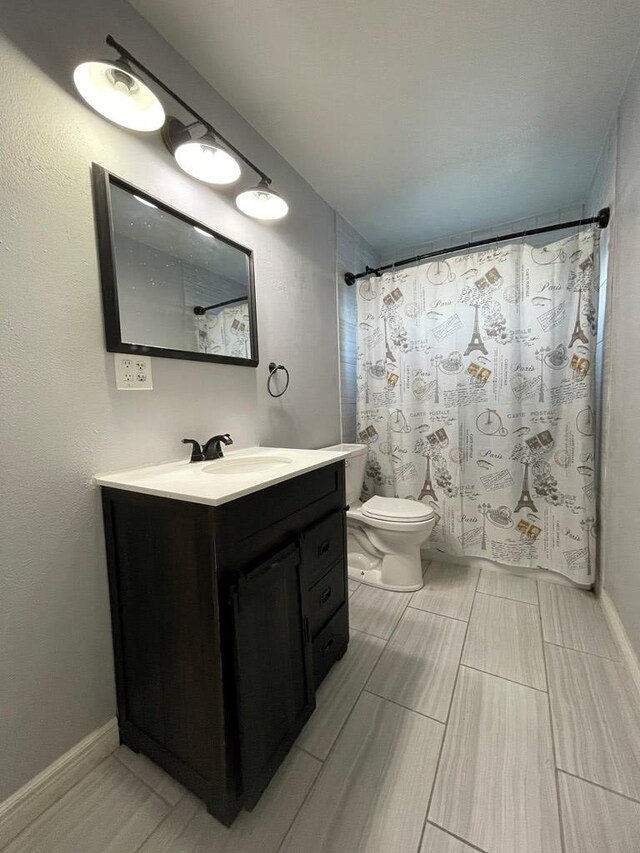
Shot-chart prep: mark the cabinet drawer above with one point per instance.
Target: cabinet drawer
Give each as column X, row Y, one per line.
column 322, row 546
column 256, row 514
column 326, row 596
column 330, row 644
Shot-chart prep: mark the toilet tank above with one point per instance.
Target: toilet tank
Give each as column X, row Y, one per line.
column 355, row 464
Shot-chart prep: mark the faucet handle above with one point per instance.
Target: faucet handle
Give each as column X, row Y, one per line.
column 225, row 439
column 212, row 450
column 197, row 453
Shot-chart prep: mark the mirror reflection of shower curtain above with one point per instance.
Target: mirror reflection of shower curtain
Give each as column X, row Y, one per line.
column 224, row 332
column 476, row 396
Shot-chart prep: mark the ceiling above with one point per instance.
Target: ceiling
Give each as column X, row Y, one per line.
column 417, row 119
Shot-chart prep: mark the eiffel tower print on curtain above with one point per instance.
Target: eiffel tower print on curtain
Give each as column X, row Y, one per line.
column 476, row 342
column 427, row 490
column 578, row 332
column 525, row 499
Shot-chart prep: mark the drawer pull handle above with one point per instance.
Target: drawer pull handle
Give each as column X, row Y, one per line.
column 323, row 548
column 327, row 646
column 326, row 595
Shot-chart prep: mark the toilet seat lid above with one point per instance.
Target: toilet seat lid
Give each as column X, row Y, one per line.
column 396, row 509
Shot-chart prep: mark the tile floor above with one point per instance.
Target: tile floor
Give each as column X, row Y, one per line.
column 487, row 712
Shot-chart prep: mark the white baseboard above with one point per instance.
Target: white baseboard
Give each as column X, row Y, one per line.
column 620, row 635
column 28, row 803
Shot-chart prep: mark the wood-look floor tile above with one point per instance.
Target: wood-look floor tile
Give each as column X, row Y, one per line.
column 448, row 590
column 508, row 586
column 574, row 618
column 596, row 719
column 152, row 775
column 190, row 829
column 419, row 664
column 352, row 586
column 496, row 785
column 504, row 638
column 339, row 692
column 376, row 611
column 372, row 792
column 109, row 811
column 597, row 821
column 438, row 841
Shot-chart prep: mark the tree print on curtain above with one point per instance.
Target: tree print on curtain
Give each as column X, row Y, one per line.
column 476, row 396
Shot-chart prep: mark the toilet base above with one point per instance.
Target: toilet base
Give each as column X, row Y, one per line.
column 368, row 570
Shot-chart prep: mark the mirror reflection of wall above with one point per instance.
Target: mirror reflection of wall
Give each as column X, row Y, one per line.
column 166, row 268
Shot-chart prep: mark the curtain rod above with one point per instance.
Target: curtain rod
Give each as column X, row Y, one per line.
column 601, row 219
column 199, row 310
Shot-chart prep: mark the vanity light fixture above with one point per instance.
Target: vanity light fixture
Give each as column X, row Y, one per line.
column 201, row 157
column 261, row 202
column 114, row 90
column 144, row 201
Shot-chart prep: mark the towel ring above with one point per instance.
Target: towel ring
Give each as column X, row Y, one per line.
column 273, row 369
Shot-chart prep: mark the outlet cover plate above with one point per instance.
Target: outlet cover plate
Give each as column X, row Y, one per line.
column 133, row 372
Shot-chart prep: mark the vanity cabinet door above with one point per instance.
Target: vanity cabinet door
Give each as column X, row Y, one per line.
column 274, row 681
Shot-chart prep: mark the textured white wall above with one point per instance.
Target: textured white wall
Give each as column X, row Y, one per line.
column 621, row 400
column 62, row 419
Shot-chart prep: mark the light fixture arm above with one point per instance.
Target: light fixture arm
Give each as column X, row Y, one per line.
column 128, row 57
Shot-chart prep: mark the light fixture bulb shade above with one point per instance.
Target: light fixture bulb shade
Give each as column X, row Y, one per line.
column 115, row 92
column 262, row 202
column 205, row 160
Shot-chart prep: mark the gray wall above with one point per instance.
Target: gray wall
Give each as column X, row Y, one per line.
column 353, row 254
column 62, row 419
column 618, row 181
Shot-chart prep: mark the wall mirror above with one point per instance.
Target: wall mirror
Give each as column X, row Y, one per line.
column 171, row 286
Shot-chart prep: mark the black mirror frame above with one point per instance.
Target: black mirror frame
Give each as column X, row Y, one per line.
column 101, row 180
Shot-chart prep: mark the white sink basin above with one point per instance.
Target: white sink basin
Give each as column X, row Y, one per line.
column 246, row 465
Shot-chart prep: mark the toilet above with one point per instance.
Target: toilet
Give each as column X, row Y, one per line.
column 384, row 535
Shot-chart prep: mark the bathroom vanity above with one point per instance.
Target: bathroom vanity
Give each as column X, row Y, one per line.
column 229, row 606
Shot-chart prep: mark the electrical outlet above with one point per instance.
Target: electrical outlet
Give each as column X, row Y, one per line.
column 133, row 372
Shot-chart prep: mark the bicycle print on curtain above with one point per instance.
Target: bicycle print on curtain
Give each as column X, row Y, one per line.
column 476, row 396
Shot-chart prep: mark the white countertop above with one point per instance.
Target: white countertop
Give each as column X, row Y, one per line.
column 214, row 484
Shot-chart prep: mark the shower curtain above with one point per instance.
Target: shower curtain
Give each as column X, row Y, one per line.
column 476, row 396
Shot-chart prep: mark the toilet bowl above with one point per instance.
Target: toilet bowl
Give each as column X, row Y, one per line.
column 384, row 534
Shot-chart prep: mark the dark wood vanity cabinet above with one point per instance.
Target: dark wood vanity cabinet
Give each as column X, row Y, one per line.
column 225, row 620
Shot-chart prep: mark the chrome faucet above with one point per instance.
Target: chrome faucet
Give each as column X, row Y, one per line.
column 212, row 449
